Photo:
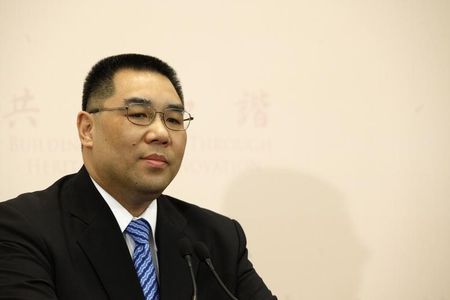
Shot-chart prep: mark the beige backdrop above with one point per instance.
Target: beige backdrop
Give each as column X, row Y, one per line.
column 322, row 126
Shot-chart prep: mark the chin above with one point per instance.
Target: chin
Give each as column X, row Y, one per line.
column 152, row 188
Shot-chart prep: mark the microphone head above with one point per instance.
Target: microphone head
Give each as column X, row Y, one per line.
column 185, row 247
column 202, row 251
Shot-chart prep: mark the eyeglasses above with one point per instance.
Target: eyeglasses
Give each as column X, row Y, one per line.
column 143, row 115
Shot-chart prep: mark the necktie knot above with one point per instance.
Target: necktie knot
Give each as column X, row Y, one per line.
column 139, row 230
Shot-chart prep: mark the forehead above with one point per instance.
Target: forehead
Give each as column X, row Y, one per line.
column 145, row 85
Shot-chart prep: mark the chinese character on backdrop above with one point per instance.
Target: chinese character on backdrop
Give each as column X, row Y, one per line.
column 22, row 110
column 253, row 109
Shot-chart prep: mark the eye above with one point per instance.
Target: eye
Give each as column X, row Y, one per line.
column 173, row 117
column 173, row 121
column 138, row 115
column 139, row 112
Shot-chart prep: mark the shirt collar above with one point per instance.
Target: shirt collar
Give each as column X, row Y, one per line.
column 123, row 216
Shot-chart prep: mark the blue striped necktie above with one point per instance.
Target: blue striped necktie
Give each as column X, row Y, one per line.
column 140, row 231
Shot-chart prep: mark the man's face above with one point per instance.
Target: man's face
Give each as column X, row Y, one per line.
column 128, row 159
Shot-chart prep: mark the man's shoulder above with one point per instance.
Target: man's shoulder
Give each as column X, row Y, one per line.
column 35, row 202
column 204, row 223
column 189, row 209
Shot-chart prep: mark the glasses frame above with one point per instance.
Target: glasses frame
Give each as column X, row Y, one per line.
column 150, row 121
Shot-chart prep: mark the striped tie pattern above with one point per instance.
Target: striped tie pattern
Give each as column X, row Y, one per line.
column 140, row 231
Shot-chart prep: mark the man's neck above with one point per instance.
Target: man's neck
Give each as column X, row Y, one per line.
column 135, row 203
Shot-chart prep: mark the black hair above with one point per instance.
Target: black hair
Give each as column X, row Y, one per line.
column 99, row 82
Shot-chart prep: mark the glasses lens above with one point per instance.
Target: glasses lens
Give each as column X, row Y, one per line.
column 140, row 114
column 176, row 119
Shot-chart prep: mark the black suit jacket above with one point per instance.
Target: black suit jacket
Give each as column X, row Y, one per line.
column 64, row 243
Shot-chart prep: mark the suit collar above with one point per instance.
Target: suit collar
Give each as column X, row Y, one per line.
column 100, row 238
column 175, row 281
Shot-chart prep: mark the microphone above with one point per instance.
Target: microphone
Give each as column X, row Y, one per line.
column 185, row 248
column 203, row 254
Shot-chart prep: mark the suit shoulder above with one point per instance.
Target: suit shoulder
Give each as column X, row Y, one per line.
column 200, row 223
column 191, row 210
column 38, row 203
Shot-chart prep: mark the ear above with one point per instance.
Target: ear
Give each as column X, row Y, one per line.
column 85, row 125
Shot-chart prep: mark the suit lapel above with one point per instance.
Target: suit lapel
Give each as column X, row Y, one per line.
column 97, row 233
column 175, row 281
column 108, row 254
column 101, row 239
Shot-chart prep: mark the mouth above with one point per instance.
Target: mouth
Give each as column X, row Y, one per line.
column 156, row 161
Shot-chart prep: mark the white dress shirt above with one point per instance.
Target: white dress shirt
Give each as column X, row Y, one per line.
column 123, row 218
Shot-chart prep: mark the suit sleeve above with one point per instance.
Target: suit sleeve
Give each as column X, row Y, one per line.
column 25, row 269
column 249, row 284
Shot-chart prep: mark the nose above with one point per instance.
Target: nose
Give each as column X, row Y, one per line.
column 157, row 132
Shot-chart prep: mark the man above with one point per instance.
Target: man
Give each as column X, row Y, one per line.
column 108, row 232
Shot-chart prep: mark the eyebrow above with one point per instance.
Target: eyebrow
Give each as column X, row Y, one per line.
column 137, row 100
column 143, row 101
column 175, row 106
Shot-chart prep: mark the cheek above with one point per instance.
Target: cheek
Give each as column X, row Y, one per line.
column 180, row 145
column 120, row 143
